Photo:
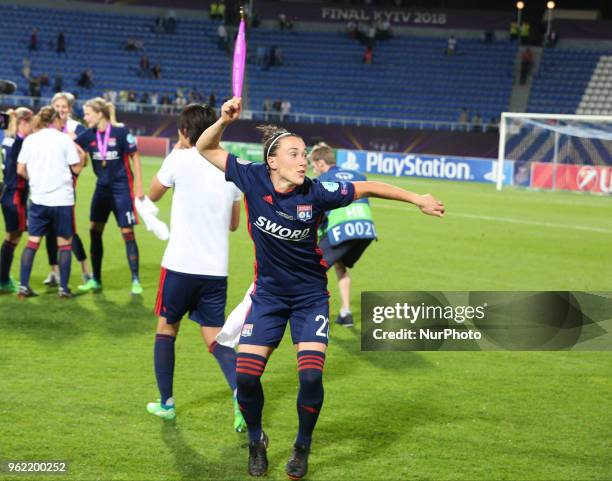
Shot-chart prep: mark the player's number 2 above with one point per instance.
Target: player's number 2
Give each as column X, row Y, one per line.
column 324, row 329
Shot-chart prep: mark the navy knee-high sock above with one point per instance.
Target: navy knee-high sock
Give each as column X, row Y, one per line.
column 7, row 252
column 131, row 249
column 97, row 251
column 163, row 358
column 51, row 245
column 226, row 357
column 27, row 260
column 78, row 249
column 249, row 368
column 310, row 395
column 65, row 261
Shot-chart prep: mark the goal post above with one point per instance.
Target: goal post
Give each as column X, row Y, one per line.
column 556, row 151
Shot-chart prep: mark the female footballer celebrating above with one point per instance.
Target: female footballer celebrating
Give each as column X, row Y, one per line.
column 283, row 209
column 111, row 148
column 14, row 198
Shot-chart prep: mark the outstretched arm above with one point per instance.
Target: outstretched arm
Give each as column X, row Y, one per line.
column 208, row 143
column 427, row 203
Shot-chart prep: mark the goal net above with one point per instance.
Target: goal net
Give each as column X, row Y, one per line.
column 557, row 152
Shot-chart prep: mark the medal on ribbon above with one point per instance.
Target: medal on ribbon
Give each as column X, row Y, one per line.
column 103, row 145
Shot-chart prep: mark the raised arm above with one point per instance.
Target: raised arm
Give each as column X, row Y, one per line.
column 208, row 144
column 427, row 203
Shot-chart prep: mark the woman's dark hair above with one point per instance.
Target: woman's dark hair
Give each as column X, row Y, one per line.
column 270, row 134
column 195, row 119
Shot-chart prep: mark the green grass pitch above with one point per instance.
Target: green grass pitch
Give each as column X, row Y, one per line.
column 76, row 375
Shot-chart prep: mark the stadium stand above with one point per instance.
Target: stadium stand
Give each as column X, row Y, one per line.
column 597, row 98
column 562, row 80
column 96, row 41
column 409, row 78
column 318, row 75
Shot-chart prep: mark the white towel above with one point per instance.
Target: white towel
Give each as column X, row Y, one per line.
column 148, row 211
column 230, row 334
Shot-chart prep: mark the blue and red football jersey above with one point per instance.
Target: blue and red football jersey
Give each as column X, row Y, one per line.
column 115, row 169
column 12, row 181
column 283, row 227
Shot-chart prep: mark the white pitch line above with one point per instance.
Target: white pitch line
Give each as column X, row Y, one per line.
column 509, row 220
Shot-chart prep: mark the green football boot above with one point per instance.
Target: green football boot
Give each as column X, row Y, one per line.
column 91, row 285
column 167, row 413
column 239, row 423
column 136, row 287
column 10, row 287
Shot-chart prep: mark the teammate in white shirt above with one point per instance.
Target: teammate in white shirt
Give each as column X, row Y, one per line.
column 194, row 268
column 48, row 159
column 63, row 102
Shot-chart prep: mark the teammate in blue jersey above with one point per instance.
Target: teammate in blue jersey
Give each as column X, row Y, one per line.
column 111, row 148
column 284, row 209
column 63, row 102
column 14, row 197
column 345, row 233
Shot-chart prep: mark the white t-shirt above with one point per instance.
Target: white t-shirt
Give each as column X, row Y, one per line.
column 201, row 214
column 48, row 155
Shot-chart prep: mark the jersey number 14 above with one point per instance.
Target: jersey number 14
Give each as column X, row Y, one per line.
column 131, row 217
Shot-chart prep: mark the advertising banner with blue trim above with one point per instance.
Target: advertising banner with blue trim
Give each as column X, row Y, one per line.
column 425, row 166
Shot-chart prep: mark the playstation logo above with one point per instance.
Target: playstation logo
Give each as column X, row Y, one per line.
column 350, row 162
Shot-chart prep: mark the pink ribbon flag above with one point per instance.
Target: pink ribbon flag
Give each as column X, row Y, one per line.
column 239, row 61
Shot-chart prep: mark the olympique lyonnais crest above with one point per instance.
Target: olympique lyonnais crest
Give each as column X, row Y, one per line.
column 304, row 212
